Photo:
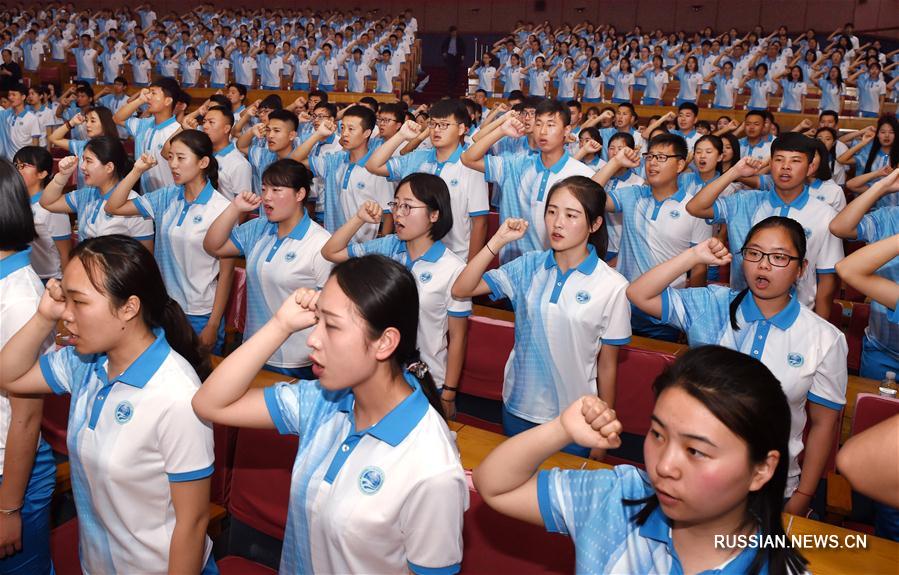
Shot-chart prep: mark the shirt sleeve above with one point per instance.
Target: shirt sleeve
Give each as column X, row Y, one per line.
column 831, row 377
column 385, row 246
column 458, row 307
column 494, row 168
column 62, row 369
column 478, row 202
column 700, row 231
column 60, row 228
column 132, row 124
column 508, row 279
column 185, row 441
column 76, row 198
column 874, row 226
column 433, row 511
column 831, row 250
column 151, row 204
column 682, row 306
column 617, row 320
column 291, row 405
column 321, row 268
column 398, row 167
column 245, row 235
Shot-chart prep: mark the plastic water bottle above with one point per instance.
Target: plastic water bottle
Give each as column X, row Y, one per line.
column 888, row 385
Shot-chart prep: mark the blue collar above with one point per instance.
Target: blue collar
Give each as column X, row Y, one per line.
column 362, row 161
column 658, row 528
column 454, row 157
column 797, row 204
column 586, row 267
column 164, row 123
column 15, row 262
column 225, row 151
column 202, row 198
column 298, row 231
column 147, row 363
column 402, row 419
column 36, row 198
column 555, row 168
column 686, row 136
column 434, row 253
column 782, row 320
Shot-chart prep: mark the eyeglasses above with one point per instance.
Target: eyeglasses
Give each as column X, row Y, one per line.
column 777, row 260
column 660, row 158
column 23, row 165
column 321, row 116
column 402, row 209
column 384, row 120
column 442, row 126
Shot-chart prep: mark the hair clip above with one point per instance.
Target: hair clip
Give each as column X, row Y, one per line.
column 418, row 368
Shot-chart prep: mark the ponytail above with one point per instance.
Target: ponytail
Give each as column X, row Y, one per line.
column 183, row 339
column 420, row 370
column 734, row 306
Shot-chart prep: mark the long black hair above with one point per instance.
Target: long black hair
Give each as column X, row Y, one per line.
column 875, row 143
column 120, row 267
column 16, row 220
column 201, row 146
column 744, row 395
column 592, row 198
column 831, row 153
column 797, row 236
column 431, row 190
column 385, row 294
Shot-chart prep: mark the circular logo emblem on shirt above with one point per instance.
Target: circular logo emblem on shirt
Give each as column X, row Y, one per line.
column 290, row 256
column 674, row 214
column 425, row 277
column 454, row 182
column 820, row 197
column 123, row 412
column 808, row 232
column 370, row 480
column 198, row 218
column 360, row 185
column 795, row 359
column 582, row 297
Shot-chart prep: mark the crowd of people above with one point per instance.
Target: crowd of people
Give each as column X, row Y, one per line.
column 363, row 230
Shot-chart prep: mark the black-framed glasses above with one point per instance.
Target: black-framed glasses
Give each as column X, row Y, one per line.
column 442, row 126
column 660, row 158
column 402, row 209
column 776, row 259
column 384, row 120
column 22, row 165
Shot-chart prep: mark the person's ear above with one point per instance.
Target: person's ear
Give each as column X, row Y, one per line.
column 387, row 343
column 597, row 223
column 764, row 471
column 130, row 309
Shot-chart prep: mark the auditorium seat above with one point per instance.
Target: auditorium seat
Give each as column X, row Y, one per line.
column 495, row 543
column 64, row 548
column 225, row 442
column 260, row 490
column 634, row 400
column 241, row 566
column 490, row 342
column 236, row 310
column 858, row 321
column 870, row 409
column 55, row 421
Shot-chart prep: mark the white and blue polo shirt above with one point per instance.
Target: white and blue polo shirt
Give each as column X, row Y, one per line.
column 190, row 274
column 743, row 210
column 807, row 353
column 759, row 151
column 49, row 227
column 124, row 456
column 613, row 219
column 562, row 320
column 276, row 267
column 386, row 499
column 435, row 273
column 690, row 137
column 828, row 191
column 589, row 507
column 235, row 172
column 467, row 188
column 22, row 290
column 150, row 137
column 526, row 183
column 347, row 186
column 882, row 331
column 654, row 231
column 93, row 220
column 260, row 158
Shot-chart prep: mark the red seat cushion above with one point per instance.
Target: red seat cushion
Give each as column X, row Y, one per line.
column 634, row 400
column 233, row 565
column 858, row 321
column 64, row 548
column 872, row 409
column 260, row 480
column 55, row 421
column 225, row 443
column 490, row 342
column 236, row 311
column 495, row 543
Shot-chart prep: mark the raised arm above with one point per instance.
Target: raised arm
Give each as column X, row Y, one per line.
column 845, row 224
column 847, row 157
column 473, row 157
column 324, row 131
column 218, row 237
column 335, row 249
column 701, row 206
column 377, row 163
column 52, row 199
column 470, row 282
column 859, row 269
column 118, row 203
column 626, row 158
column 646, row 291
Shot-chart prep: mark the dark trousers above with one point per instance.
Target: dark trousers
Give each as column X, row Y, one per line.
column 452, row 73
